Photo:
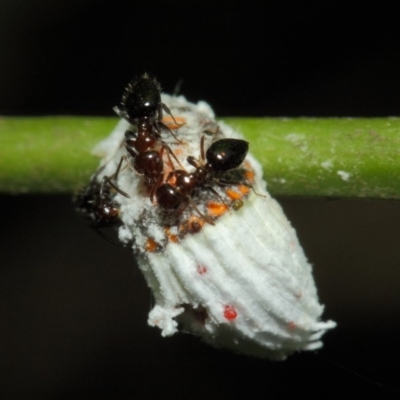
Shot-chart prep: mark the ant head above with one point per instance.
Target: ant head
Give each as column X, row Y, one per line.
column 141, row 99
column 226, row 154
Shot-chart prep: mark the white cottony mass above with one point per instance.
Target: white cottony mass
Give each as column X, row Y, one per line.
column 226, row 265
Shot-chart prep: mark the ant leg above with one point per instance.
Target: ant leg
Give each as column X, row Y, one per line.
column 168, row 111
column 130, row 135
column 118, row 170
column 106, row 179
column 211, row 189
column 254, row 190
column 155, row 186
column 162, row 125
column 130, row 140
column 224, row 182
column 170, row 175
column 99, row 232
column 129, row 165
column 202, row 148
column 97, row 173
column 169, row 154
column 123, row 114
column 159, row 123
column 191, row 160
column 213, row 130
column 207, row 219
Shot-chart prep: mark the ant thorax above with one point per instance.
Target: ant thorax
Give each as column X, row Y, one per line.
column 220, row 256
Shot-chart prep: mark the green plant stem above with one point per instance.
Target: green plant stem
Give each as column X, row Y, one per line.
column 339, row 157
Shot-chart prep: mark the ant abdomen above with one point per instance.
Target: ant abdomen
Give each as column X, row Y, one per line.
column 141, row 99
column 227, row 154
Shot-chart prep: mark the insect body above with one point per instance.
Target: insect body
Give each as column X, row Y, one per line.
column 95, row 202
column 141, row 106
column 222, row 156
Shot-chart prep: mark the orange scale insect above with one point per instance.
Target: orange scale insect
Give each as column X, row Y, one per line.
column 151, row 245
column 244, row 189
column 174, row 123
column 249, row 174
column 215, row 209
column 233, row 195
column 172, row 237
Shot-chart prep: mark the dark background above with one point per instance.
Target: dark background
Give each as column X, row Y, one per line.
column 73, row 308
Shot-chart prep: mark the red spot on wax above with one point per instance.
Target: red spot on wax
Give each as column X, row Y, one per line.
column 292, row 325
column 201, row 269
column 230, row 313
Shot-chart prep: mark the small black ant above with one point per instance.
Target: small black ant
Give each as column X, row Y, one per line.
column 95, row 202
column 141, row 106
column 222, row 156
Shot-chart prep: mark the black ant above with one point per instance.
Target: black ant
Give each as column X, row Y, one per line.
column 222, row 156
column 141, row 106
column 95, row 202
